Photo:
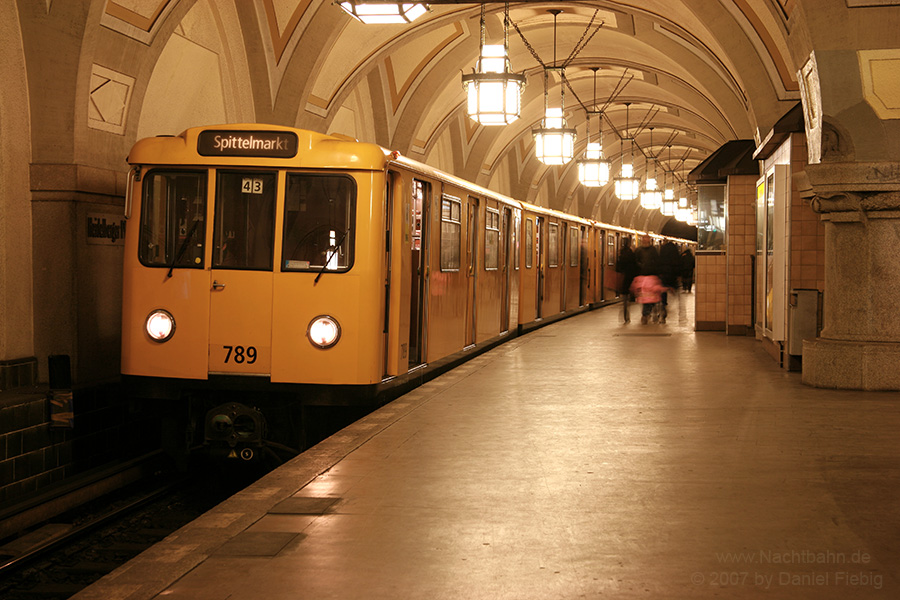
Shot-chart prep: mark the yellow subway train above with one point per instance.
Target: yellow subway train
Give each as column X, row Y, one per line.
column 270, row 269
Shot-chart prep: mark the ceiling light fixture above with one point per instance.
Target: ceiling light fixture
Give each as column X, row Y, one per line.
column 669, row 204
column 651, row 196
column 627, row 186
column 593, row 169
column 493, row 92
column 554, row 142
column 383, row 13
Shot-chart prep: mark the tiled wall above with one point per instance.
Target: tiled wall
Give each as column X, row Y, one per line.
column 18, row 373
column 711, row 277
column 741, row 236
column 807, row 232
column 34, row 456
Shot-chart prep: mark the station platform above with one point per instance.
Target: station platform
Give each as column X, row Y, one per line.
column 587, row 459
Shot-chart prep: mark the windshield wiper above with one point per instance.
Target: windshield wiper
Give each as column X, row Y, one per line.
column 184, row 246
column 331, row 254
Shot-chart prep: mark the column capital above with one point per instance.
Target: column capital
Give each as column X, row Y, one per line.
column 850, row 187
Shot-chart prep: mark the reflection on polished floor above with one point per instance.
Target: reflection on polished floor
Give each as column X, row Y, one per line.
column 588, row 459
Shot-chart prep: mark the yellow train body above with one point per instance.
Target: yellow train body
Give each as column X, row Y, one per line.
column 271, row 257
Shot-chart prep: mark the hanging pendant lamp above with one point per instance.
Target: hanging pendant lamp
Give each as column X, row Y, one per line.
column 627, row 186
column 669, row 204
column 651, row 196
column 384, row 13
column 493, row 91
column 593, row 169
column 683, row 210
column 554, row 142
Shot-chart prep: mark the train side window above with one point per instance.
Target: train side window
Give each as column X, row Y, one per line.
column 574, row 240
column 173, row 213
column 610, row 249
column 553, row 245
column 451, row 231
column 319, row 222
column 529, row 243
column 492, row 240
column 245, row 220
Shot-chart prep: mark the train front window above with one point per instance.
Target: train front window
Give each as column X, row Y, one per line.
column 318, row 222
column 173, row 210
column 245, row 220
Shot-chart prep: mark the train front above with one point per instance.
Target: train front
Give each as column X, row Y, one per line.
column 253, row 278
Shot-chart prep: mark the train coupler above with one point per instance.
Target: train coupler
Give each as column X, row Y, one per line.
column 235, row 431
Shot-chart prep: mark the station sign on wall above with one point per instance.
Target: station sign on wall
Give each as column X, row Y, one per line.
column 106, row 229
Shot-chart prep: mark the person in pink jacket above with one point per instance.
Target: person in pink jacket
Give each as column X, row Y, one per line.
column 647, row 291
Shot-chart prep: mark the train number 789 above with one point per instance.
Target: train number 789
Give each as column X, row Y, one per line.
column 240, row 355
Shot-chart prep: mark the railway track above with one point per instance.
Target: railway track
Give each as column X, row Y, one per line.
column 62, row 556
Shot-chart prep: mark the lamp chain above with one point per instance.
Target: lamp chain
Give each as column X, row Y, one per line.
column 482, row 29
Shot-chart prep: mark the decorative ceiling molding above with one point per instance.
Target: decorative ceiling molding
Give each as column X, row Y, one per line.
column 108, row 100
column 472, row 127
column 880, row 73
column 398, row 93
column 281, row 36
column 785, row 74
column 139, row 21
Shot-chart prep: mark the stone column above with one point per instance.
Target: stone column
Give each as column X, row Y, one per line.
column 859, row 346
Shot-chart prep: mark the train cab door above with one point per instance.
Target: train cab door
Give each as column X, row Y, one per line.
column 471, row 268
column 240, row 303
column 418, row 252
column 505, row 228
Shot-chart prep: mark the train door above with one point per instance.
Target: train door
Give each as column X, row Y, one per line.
column 563, row 264
column 539, row 248
column 240, row 305
column 584, row 266
column 393, row 182
column 421, row 194
column 505, row 227
column 471, row 269
column 613, row 243
column 515, row 277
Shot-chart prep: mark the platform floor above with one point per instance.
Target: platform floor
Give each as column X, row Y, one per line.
column 588, row 459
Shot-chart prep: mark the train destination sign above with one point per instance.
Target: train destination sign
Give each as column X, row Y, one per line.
column 269, row 144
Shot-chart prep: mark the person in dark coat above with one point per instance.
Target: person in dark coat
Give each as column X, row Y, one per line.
column 648, row 267
column 687, row 270
column 669, row 270
column 626, row 267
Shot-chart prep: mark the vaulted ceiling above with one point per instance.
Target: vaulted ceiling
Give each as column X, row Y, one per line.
column 693, row 75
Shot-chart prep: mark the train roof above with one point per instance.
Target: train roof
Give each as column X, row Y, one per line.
column 263, row 145
column 254, row 144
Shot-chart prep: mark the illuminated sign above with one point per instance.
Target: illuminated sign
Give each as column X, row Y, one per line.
column 269, row 144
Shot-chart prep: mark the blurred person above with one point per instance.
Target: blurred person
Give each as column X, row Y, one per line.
column 627, row 268
column 647, row 259
column 669, row 270
column 687, row 269
column 648, row 292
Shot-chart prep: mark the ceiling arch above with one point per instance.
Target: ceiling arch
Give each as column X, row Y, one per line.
column 699, row 75
column 686, row 69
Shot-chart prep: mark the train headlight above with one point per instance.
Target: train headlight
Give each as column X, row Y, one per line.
column 324, row 332
column 160, row 325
